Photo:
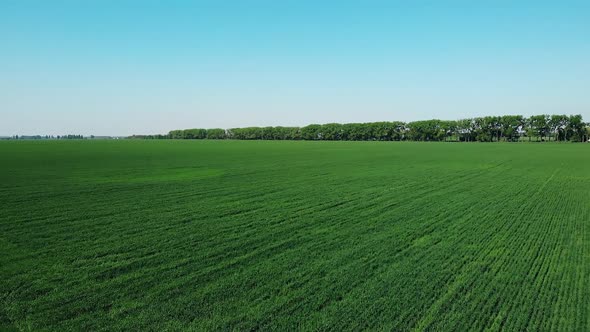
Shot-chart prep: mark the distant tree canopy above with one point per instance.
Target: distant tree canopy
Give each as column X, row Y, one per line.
column 508, row 128
column 33, row 137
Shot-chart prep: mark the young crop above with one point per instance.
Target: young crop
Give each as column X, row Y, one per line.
column 285, row 235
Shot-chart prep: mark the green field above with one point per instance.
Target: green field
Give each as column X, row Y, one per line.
column 267, row 235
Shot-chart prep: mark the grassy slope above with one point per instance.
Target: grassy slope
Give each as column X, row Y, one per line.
column 341, row 235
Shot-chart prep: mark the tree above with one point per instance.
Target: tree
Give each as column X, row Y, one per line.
column 554, row 124
column 465, row 129
column 331, row 131
column 564, row 126
column 176, row 134
column 449, row 129
column 484, row 128
column 577, row 127
column 540, row 125
column 215, row 133
column 428, row 130
column 512, row 126
column 311, row 132
column 194, row 133
column 382, row 131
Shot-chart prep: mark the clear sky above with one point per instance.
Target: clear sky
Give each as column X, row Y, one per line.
column 123, row 67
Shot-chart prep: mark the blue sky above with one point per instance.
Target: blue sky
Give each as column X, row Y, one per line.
column 125, row 67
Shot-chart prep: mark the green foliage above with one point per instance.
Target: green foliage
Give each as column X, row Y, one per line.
column 176, row 134
column 194, row 133
column 311, row 132
column 215, row 133
column 540, row 125
column 238, row 235
column 507, row 128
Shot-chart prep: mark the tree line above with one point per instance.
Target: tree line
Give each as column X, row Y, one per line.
column 508, row 128
column 73, row 137
column 33, row 137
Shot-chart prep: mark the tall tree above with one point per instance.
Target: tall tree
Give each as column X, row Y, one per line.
column 577, row 127
column 540, row 125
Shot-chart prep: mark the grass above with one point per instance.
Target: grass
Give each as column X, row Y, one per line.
column 207, row 235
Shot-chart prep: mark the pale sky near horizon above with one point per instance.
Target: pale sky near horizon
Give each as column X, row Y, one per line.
column 138, row 67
